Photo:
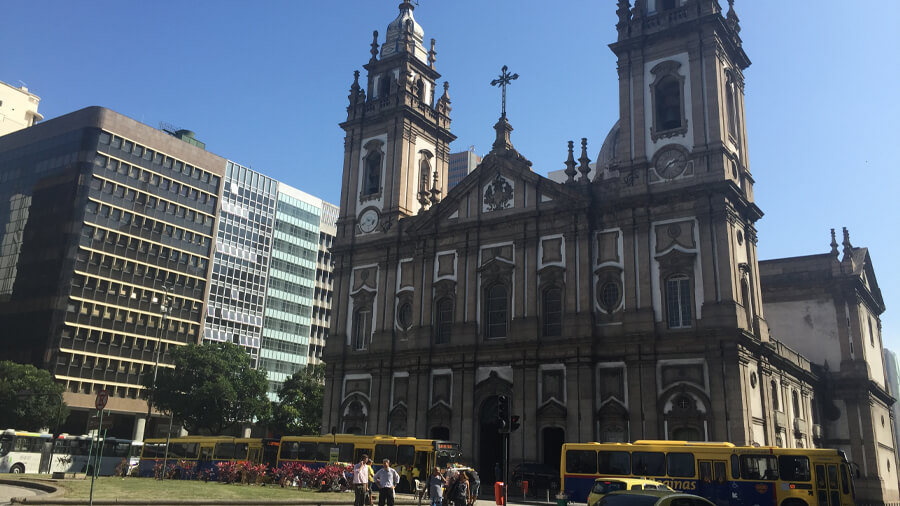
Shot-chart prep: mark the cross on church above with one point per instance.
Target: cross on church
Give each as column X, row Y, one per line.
column 503, row 81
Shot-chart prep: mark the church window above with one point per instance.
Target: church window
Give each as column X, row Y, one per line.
column 404, row 315
column 362, row 329
column 384, row 86
column 668, row 103
column 552, row 312
column 609, row 296
column 667, row 95
column 496, row 305
column 420, row 86
column 372, row 182
column 678, row 301
column 775, row 405
column 730, row 108
column 795, row 400
column 871, row 334
column 443, row 321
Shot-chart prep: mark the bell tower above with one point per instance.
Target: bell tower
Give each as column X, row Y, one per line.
column 396, row 148
column 682, row 137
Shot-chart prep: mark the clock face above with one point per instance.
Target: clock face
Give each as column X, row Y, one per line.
column 368, row 220
column 670, row 162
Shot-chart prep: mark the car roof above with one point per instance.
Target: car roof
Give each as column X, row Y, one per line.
column 657, row 493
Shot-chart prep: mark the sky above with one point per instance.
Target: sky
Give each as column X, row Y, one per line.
column 265, row 84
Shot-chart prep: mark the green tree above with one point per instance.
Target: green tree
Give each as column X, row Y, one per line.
column 30, row 398
column 299, row 410
column 212, row 387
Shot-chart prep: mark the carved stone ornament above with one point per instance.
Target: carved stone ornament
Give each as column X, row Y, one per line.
column 498, row 194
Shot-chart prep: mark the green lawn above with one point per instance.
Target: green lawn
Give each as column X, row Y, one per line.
column 156, row 490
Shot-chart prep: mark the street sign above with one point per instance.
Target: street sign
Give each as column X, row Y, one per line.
column 101, row 400
column 94, row 422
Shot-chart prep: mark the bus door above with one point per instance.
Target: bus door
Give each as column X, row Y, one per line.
column 46, row 452
column 253, row 454
column 827, row 487
column 714, row 482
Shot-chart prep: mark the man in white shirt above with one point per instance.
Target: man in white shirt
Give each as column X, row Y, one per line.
column 361, row 481
column 387, row 479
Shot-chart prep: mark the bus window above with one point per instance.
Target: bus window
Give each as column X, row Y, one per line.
column 845, row 479
column 345, row 452
column 206, row 453
column 359, row 453
column 820, row 476
column 405, row 455
column 240, row 451
column 290, row 450
column 705, row 471
column 794, row 468
column 832, row 476
column 735, row 467
column 614, row 463
column 151, row 450
column 648, row 464
column 581, row 461
column 719, row 468
column 385, row 452
column 759, row 467
column 183, row 450
column 224, row 451
column 680, row 465
column 307, row 451
column 323, row 452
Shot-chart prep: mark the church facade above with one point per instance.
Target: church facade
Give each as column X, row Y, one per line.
column 622, row 304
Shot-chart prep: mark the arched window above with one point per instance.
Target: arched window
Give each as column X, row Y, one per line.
column 495, row 311
column 551, row 314
column 372, row 181
column 730, row 108
column 424, row 173
column 362, row 328
column 668, row 104
column 420, row 85
column 443, row 321
column 678, row 301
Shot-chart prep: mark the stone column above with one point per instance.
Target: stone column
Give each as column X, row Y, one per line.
column 140, row 423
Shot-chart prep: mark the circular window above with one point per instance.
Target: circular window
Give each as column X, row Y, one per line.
column 609, row 295
column 740, row 237
column 752, row 380
column 404, row 315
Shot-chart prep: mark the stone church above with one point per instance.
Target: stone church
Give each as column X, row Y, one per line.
column 624, row 303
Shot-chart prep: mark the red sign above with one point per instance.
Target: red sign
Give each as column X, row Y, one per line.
column 102, row 398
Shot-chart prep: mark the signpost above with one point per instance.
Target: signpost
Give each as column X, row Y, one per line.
column 100, row 404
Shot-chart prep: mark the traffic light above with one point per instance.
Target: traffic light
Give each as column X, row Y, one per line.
column 502, row 413
column 513, row 422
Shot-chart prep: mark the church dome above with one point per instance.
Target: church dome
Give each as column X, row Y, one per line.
column 607, row 154
column 395, row 39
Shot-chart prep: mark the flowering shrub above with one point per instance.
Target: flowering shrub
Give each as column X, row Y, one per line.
column 295, row 474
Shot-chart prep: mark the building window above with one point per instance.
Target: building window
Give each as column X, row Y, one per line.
column 667, row 96
column 495, row 311
column 362, row 328
column 775, row 405
column 404, row 315
column 730, row 108
column 443, row 321
column 371, row 184
column 678, row 301
column 551, row 314
column 609, row 296
column 795, row 400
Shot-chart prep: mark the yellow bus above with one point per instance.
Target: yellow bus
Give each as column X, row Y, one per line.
column 411, row 457
column 205, row 452
column 721, row 472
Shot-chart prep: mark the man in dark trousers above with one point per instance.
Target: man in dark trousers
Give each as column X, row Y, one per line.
column 387, row 479
column 361, row 481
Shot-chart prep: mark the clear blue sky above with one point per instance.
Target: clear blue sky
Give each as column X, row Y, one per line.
column 265, row 84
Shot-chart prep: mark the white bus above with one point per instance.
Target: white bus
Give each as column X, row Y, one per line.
column 24, row 452
column 70, row 455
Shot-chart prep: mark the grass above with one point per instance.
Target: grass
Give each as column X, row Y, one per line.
column 134, row 488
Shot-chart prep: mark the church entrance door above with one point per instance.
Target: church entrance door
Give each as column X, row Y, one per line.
column 490, row 452
column 554, row 437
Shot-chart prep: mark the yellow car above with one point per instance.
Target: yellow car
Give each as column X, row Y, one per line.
column 605, row 485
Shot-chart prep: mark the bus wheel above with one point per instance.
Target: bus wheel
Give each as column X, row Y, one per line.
column 17, row 469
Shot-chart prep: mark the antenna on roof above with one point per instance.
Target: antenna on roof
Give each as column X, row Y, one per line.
column 23, row 83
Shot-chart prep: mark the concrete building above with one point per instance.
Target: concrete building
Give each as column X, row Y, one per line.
column 461, row 164
column 18, row 108
column 103, row 218
column 321, row 320
column 624, row 303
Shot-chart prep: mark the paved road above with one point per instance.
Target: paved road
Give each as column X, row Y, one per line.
column 7, row 492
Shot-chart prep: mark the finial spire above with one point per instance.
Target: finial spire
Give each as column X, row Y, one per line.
column 432, row 55
column 570, row 164
column 848, row 248
column 585, row 167
column 834, row 244
column 435, row 192
column 374, row 49
column 503, row 80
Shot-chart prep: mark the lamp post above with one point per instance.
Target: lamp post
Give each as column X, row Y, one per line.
column 165, row 306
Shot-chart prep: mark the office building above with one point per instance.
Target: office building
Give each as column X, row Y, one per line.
column 103, row 218
column 461, row 164
column 18, row 108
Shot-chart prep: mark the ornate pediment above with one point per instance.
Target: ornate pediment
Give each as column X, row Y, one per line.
column 552, row 409
column 439, row 414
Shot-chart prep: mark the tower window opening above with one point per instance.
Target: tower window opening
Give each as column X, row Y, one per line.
column 678, row 301
column 668, row 103
column 372, row 183
column 384, row 86
column 552, row 312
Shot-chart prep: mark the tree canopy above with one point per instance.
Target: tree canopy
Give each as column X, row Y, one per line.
column 212, row 387
column 30, row 398
column 299, row 410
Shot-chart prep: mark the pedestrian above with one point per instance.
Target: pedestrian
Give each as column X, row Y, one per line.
column 462, row 492
column 436, row 485
column 361, row 481
column 387, row 479
column 474, row 484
